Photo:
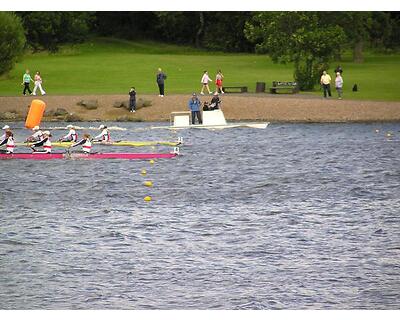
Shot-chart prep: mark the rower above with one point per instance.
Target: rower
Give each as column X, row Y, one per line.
column 36, row 136
column 8, row 141
column 5, row 128
column 45, row 143
column 104, row 136
column 72, row 136
column 85, row 143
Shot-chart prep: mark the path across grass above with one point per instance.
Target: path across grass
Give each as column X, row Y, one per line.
column 108, row 66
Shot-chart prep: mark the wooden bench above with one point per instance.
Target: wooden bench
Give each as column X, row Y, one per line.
column 236, row 89
column 287, row 86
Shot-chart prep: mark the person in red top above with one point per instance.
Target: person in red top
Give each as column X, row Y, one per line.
column 38, row 84
column 218, row 81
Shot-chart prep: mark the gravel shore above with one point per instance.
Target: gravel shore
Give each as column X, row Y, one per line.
column 266, row 107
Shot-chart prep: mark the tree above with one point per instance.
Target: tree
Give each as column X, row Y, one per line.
column 126, row 25
column 224, row 31
column 299, row 37
column 179, row 27
column 356, row 25
column 12, row 40
column 47, row 30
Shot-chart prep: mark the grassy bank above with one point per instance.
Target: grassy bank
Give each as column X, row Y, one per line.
column 104, row 66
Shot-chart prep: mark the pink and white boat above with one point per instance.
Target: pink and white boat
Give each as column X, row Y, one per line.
column 51, row 156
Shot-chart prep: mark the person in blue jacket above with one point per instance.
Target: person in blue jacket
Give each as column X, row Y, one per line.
column 194, row 106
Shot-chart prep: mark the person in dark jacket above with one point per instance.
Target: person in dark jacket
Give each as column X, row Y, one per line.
column 161, row 76
column 339, row 69
column 215, row 102
column 132, row 99
column 194, row 106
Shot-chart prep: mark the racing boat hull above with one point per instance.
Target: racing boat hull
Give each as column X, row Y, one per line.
column 52, row 156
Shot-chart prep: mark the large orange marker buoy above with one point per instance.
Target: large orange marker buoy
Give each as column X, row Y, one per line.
column 35, row 114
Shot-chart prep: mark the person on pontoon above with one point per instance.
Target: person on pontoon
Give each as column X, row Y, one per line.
column 86, row 143
column 72, row 136
column 8, row 141
column 5, row 128
column 214, row 104
column 36, row 136
column 45, row 143
column 104, row 136
column 194, row 106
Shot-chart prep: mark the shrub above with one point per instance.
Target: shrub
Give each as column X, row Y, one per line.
column 12, row 40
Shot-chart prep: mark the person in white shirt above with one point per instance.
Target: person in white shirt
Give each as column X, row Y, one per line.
column 72, row 136
column 85, row 143
column 104, row 136
column 204, row 81
column 38, row 84
column 45, row 143
column 5, row 128
column 326, row 83
column 8, row 141
column 339, row 84
column 36, row 136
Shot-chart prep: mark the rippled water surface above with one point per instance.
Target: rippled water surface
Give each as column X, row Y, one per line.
column 297, row 216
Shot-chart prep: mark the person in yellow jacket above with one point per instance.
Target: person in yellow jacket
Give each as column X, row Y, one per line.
column 326, row 83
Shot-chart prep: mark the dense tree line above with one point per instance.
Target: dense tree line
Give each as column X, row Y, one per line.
column 309, row 39
column 223, row 31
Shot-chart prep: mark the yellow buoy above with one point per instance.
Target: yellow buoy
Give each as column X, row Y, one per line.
column 143, row 172
column 151, row 161
column 147, row 198
column 148, row 183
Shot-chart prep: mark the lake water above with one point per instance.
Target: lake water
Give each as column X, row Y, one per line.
column 296, row 216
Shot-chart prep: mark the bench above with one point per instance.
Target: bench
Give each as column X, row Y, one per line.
column 236, row 89
column 287, row 86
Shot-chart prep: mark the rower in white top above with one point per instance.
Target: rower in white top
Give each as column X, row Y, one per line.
column 8, row 141
column 36, row 136
column 5, row 128
column 85, row 143
column 72, row 136
column 104, row 136
column 45, row 143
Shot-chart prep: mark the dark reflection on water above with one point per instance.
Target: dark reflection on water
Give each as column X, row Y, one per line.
column 291, row 217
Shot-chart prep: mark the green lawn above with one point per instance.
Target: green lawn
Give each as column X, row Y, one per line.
column 107, row 66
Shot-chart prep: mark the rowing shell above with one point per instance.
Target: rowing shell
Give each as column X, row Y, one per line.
column 51, row 156
column 114, row 143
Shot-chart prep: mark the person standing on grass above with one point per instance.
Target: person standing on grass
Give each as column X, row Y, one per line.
column 161, row 76
column 26, row 80
column 326, row 83
column 38, row 84
column 194, row 106
column 204, row 81
column 218, row 81
column 132, row 99
column 339, row 85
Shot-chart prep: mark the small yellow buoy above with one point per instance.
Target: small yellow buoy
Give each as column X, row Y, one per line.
column 148, row 183
column 143, row 172
column 151, row 161
column 147, row 198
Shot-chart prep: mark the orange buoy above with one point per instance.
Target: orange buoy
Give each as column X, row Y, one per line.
column 35, row 114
